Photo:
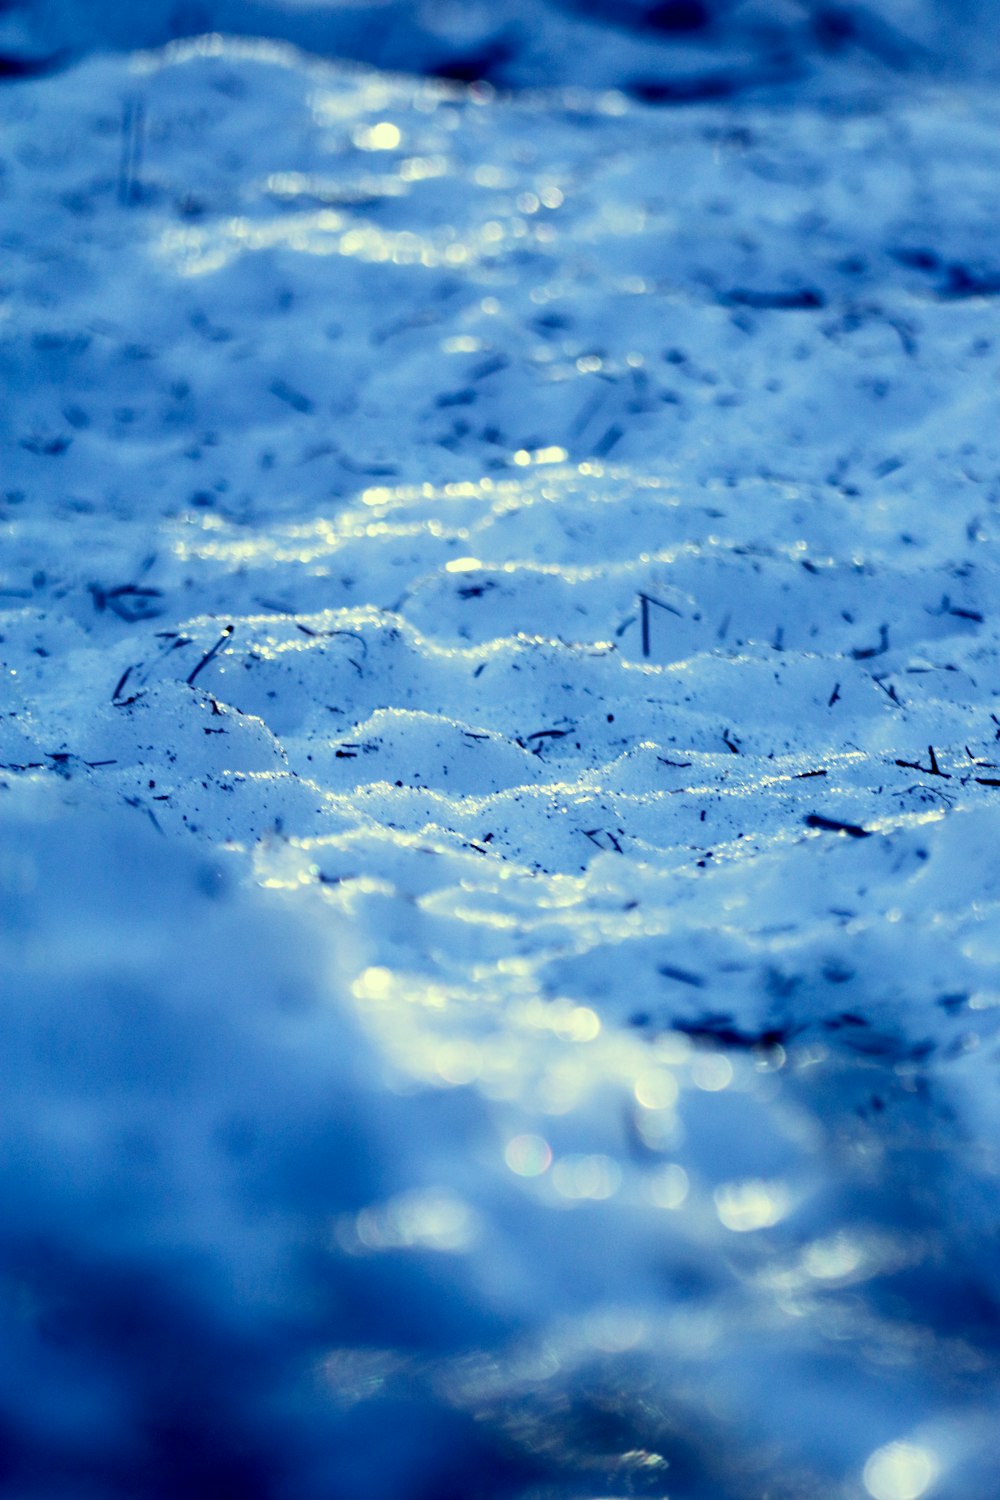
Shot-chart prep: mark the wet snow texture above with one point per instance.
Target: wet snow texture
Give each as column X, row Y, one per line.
column 499, row 782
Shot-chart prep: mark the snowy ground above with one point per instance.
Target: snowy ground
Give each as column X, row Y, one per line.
column 499, row 786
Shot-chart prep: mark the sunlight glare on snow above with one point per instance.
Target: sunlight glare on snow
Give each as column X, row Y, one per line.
column 833, row 1259
column 383, row 136
column 320, row 232
column 746, row 1206
column 376, row 983
column 900, row 1471
column 431, row 1219
column 551, row 455
column 656, row 1091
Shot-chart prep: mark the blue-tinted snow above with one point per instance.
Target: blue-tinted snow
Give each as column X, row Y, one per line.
column 498, row 766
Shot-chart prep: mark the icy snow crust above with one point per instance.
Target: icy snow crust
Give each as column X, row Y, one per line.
column 500, row 789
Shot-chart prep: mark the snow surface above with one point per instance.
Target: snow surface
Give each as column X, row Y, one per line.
column 498, row 808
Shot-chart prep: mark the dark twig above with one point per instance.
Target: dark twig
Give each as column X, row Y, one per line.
column 865, row 653
column 592, row 833
column 210, row 655
column 645, row 600
column 890, row 691
column 682, row 976
column 932, row 770
column 834, row 825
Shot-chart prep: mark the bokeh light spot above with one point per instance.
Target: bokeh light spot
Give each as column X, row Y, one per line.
column 586, row 1176
column 712, row 1072
column 656, row 1091
column 381, row 137
column 900, row 1471
column 668, row 1187
column 745, row 1206
column 528, row 1155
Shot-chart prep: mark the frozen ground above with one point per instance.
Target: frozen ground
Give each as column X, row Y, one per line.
column 499, row 786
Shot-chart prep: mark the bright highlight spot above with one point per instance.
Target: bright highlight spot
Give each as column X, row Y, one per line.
column 373, row 984
column 551, row 455
column 656, row 1091
column 900, row 1471
column 380, row 137
column 528, row 1155
column 432, row 1219
column 832, row 1259
column 744, row 1206
column 580, row 1024
column 462, row 565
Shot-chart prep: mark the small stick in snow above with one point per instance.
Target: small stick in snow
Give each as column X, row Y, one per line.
column 540, row 735
column 865, row 653
column 932, row 770
column 604, row 444
column 592, row 833
column 210, row 655
column 890, row 691
column 834, row 825
column 682, row 976
column 645, row 600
